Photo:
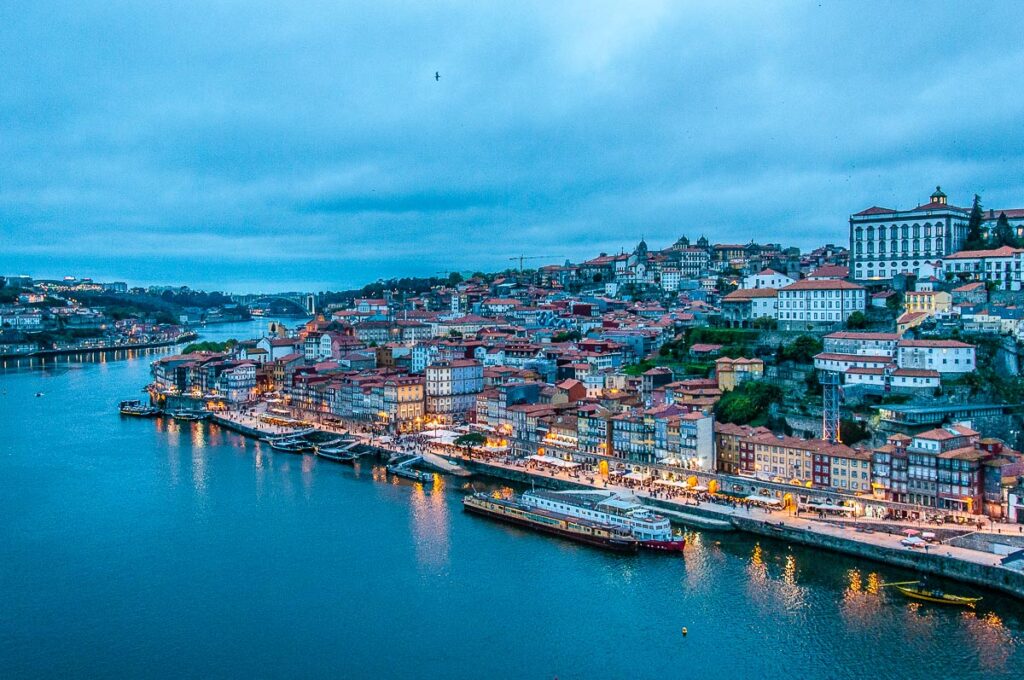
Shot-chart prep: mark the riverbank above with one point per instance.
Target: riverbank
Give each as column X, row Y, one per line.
column 64, row 351
column 961, row 564
column 847, row 537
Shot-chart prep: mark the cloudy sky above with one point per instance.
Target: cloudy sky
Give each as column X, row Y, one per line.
column 250, row 145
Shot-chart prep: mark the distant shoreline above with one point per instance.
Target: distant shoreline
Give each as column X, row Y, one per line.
column 184, row 337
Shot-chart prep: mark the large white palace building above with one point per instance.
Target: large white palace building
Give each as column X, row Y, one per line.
column 885, row 242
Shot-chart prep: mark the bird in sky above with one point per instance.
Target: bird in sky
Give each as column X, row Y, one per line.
column 437, row 76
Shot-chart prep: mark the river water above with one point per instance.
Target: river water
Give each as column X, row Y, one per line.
column 152, row 548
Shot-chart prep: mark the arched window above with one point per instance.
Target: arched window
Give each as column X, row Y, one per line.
column 904, row 231
column 881, row 246
column 928, row 229
column 871, row 233
column 917, row 231
column 892, row 231
column 904, row 245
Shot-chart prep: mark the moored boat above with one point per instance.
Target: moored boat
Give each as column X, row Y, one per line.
column 134, row 407
column 291, row 445
column 189, row 415
column 410, row 473
column 586, row 531
column 338, row 454
column 934, row 595
column 651, row 530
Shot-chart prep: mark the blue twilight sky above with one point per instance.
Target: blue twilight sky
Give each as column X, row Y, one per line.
column 247, row 145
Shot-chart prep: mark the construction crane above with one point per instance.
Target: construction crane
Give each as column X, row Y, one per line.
column 522, row 258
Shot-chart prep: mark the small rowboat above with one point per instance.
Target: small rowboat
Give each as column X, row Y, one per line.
column 937, row 596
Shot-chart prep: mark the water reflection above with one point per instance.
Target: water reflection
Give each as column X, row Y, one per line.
column 430, row 523
column 784, row 592
column 861, row 602
column 199, row 460
column 992, row 641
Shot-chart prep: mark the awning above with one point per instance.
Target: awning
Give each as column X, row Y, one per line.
column 557, row 462
column 638, row 476
column 764, row 499
column 832, row 508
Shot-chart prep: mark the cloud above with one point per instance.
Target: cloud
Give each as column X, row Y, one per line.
column 311, row 142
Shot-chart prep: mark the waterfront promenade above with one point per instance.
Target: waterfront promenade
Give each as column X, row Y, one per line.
column 873, row 539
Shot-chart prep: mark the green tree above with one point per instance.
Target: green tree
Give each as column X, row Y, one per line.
column 853, row 431
column 801, row 350
column 1003, row 234
column 454, row 278
column 857, row 321
column 975, row 237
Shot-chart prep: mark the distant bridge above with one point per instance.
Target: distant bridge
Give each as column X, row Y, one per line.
column 304, row 301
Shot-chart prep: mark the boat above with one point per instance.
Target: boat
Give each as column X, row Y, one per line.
column 189, row 415
column 339, row 454
column 291, row 445
column 926, row 594
column 514, row 511
column 134, row 407
column 651, row 530
column 410, row 473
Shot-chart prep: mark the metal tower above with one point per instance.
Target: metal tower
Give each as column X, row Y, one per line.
column 830, row 406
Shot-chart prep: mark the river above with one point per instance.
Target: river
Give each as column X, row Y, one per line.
column 152, row 548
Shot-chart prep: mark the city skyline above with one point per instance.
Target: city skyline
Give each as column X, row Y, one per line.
column 223, row 148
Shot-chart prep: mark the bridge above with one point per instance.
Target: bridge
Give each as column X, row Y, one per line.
column 303, row 301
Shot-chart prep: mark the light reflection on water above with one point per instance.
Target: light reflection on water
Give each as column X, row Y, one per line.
column 407, row 559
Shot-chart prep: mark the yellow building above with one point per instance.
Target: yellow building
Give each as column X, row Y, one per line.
column 733, row 372
column 928, row 301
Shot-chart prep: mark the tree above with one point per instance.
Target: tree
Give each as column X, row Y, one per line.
column 853, row 431
column 857, row 321
column 1003, row 234
column 801, row 350
column 468, row 441
column 454, row 279
column 975, row 238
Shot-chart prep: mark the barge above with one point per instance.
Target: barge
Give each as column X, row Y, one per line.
column 515, row 511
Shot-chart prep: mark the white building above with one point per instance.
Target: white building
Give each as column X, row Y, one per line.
column 452, row 387
column 815, row 304
column 847, row 342
column 945, row 356
column 769, row 278
column 1001, row 266
column 748, row 304
column 885, row 242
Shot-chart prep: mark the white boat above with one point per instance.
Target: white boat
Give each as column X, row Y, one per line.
column 653, row 531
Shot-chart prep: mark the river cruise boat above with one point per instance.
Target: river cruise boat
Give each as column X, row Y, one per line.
column 134, row 407
column 653, row 531
column 514, row 511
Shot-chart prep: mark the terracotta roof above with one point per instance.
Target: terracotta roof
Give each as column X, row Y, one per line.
column 866, row 358
column 1005, row 251
column 743, row 294
column 873, row 210
column 941, row 344
column 969, row 287
column 827, row 284
column 831, row 270
column 847, row 335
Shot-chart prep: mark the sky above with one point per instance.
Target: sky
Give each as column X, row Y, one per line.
column 251, row 146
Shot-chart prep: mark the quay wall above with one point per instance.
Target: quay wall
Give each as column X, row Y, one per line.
column 991, row 576
column 986, row 576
